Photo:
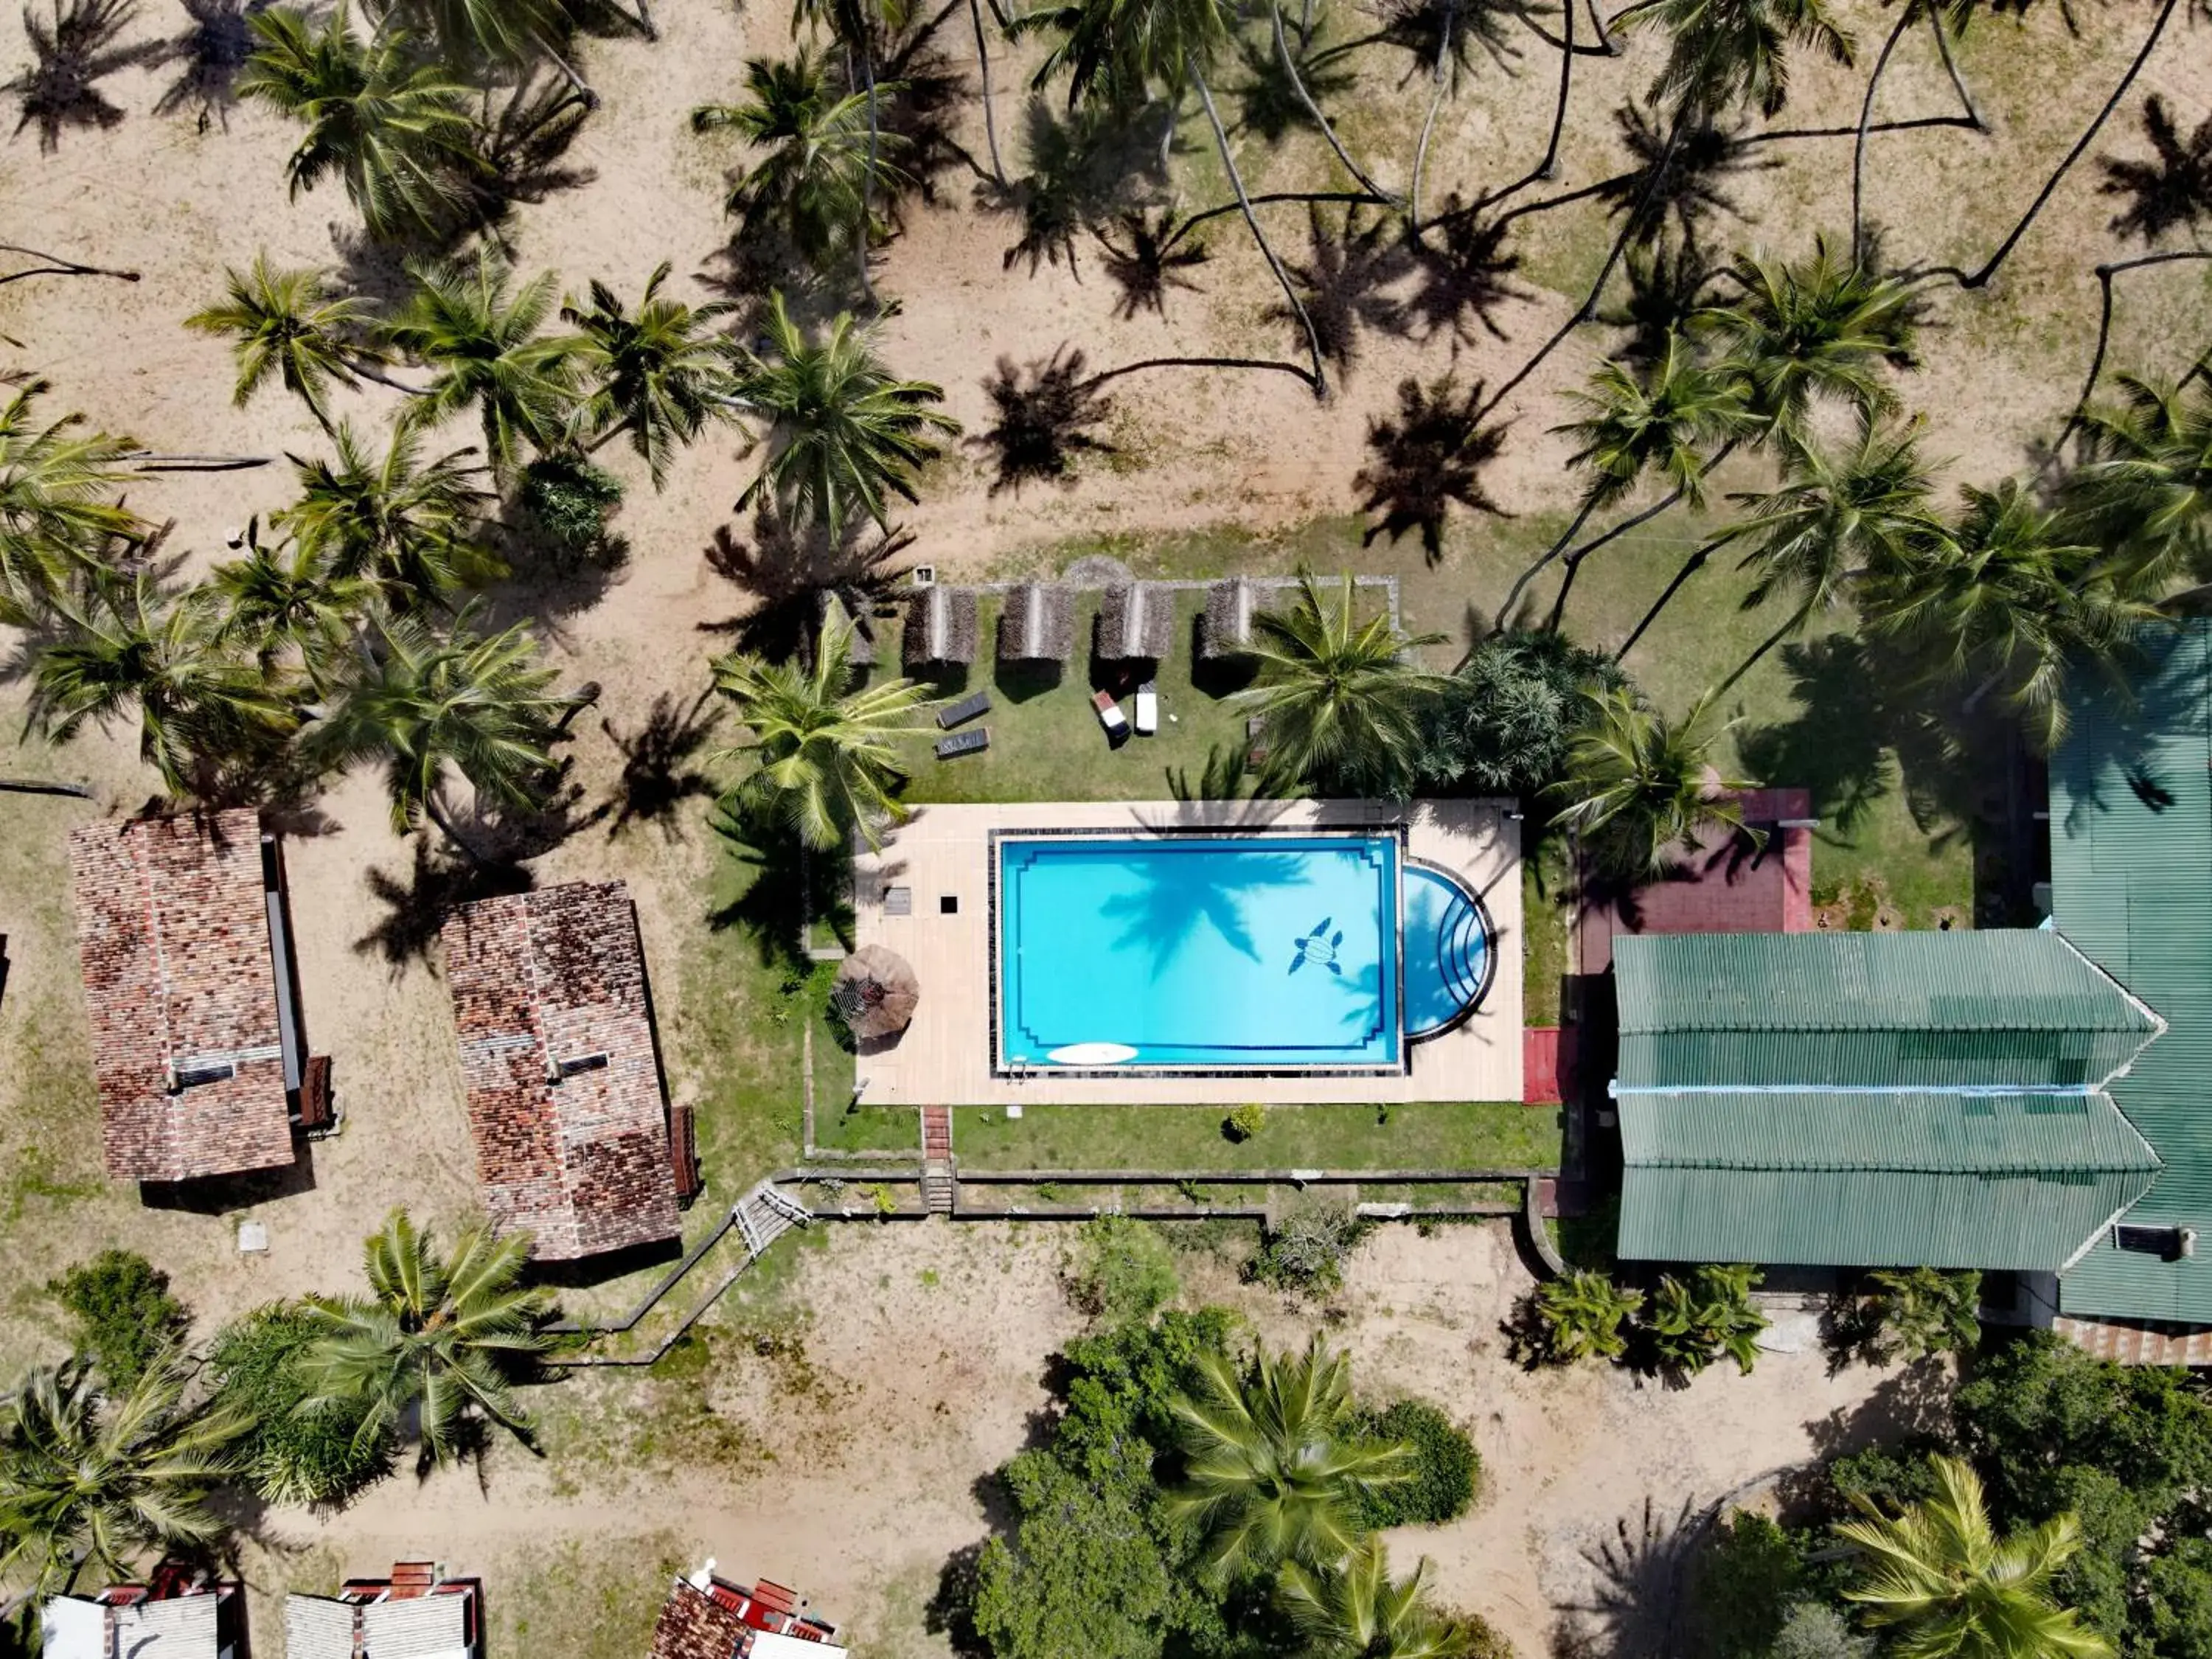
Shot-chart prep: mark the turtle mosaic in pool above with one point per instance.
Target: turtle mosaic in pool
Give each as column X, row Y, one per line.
column 1269, row 952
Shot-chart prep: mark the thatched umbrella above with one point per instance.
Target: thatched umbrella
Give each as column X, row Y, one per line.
column 875, row 993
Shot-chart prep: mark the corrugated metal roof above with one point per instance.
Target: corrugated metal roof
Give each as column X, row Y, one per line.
column 2010, row 1008
column 2131, row 886
column 1934, row 1133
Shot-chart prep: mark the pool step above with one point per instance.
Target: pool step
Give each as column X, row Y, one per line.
column 1456, row 952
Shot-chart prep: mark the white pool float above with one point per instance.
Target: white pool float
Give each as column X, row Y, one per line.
column 1092, row 1053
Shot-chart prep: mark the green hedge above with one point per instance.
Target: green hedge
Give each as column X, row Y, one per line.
column 1448, row 1470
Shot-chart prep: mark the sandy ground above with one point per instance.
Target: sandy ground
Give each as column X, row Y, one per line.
column 850, row 1458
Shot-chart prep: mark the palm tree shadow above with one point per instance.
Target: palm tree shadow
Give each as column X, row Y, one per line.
column 2172, row 190
column 1665, row 288
column 1693, row 186
column 417, row 907
column 1175, row 895
column 1430, row 455
column 1638, row 1587
column 1838, row 745
column 526, row 143
column 1148, row 260
column 927, row 96
column 1465, row 275
column 72, row 53
column 1085, row 166
column 212, row 50
column 1452, row 29
column 1047, row 417
column 1267, row 104
column 786, row 569
column 773, row 909
column 658, row 775
column 1345, row 283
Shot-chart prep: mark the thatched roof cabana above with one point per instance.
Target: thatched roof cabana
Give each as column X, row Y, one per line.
column 1135, row 622
column 940, row 627
column 875, row 993
column 862, row 651
column 1225, row 633
column 1038, row 625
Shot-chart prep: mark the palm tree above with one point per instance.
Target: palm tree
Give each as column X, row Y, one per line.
column 1836, row 520
column 1954, row 1589
column 1357, row 1611
column 133, row 647
column 58, row 511
column 1341, row 700
column 822, row 162
column 87, row 1479
column 484, row 344
column 288, row 323
column 660, row 375
column 1275, row 1462
column 1641, row 786
column 1582, row 1316
column 403, row 523
column 823, row 758
column 2005, row 603
column 1914, row 1312
column 2146, row 488
column 430, row 704
column 1822, row 328
column 289, row 609
column 1722, row 54
column 395, row 128
column 509, row 32
column 435, row 1336
column 842, row 431
column 1676, row 418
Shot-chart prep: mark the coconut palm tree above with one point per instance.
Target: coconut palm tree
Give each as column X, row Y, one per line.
column 1823, row 328
column 91, row 1480
column 1341, row 700
column 396, row 130
column 1641, row 786
column 286, row 323
column 483, row 341
column 1584, row 1315
column 2007, row 603
column 1676, row 418
column 402, row 522
column 1724, row 54
column 823, row 758
column 1274, row 1462
column 1838, row 517
column 2145, row 489
column 660, row 375
column 285, row 605
column 437, row 1338
column 487, row 32
column 133, row 647
column 1939, row 1574
column 841, row 432
column 1357, row 1611
column 58, row 506
column 427, row 705
column 823, row 160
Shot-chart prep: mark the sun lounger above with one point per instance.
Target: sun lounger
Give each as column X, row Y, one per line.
column 965, row 742
column 966, row 710
column 1148, row 709
column 1109, row 714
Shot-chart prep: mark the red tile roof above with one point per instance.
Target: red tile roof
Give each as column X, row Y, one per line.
column 539, row 980
column 696, row 1626
column 2131, row 1343
column 173, row 923
column 1725, row 886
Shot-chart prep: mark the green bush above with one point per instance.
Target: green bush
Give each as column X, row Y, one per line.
column 125, row 1313
column 1813, row 1631
column 1477, row 1637
column 1748, row 1579
column 1121, row 1271
column 1447, row 1470
column 570, row 500
column 295, row 1454
column 1304, row 1250
column 1244, row 1123
column 1688, row 1325
column 1584, row 1315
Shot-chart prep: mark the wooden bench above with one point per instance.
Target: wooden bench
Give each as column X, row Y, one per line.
column 963, row 711
column 965, row 742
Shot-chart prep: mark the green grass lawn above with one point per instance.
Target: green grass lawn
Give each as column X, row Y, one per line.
column 1427, row 1135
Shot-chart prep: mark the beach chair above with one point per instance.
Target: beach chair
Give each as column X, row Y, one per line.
column 973, row 742
column 966, row 710
column 1148, row 709
column 1110, row 715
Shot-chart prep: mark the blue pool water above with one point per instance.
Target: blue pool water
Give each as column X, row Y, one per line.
column 1261, row 953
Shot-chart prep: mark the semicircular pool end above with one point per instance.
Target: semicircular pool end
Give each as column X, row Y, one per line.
column 1448, row 948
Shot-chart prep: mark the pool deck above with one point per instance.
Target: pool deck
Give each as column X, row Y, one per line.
column 943, row 1058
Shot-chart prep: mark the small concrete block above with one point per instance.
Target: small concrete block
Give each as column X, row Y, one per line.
column 253, row 1238
column 1013, row 1114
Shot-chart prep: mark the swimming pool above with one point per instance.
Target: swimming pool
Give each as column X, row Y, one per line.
column 1261, row 953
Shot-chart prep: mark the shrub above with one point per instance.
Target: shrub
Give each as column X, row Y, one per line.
column 295, row 1453
column 1584, row 1315
column 1244, row 1123
column 1814, row 1631
column 1912, row 1313
column 1447, row 1471
column 1746, row 1580
column 1476, row 1637
column 1305, row 1249
column 124, row 1314
column 1122, row 1271
column 570, row 500
column 1689, row 1326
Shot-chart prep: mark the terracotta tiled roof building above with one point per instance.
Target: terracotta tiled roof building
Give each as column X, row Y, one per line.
column 710, row 1617
column 187, row 975
column 565, row 1101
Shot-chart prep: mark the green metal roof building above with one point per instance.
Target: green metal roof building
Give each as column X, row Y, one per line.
column 2131, row 886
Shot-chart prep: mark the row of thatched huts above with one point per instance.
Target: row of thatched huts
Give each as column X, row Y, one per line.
column 1036, row 624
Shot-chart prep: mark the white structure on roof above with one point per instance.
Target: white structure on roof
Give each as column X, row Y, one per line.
column 174, row 1627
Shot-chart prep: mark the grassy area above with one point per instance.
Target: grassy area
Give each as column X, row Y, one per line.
column 1425, row 1135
